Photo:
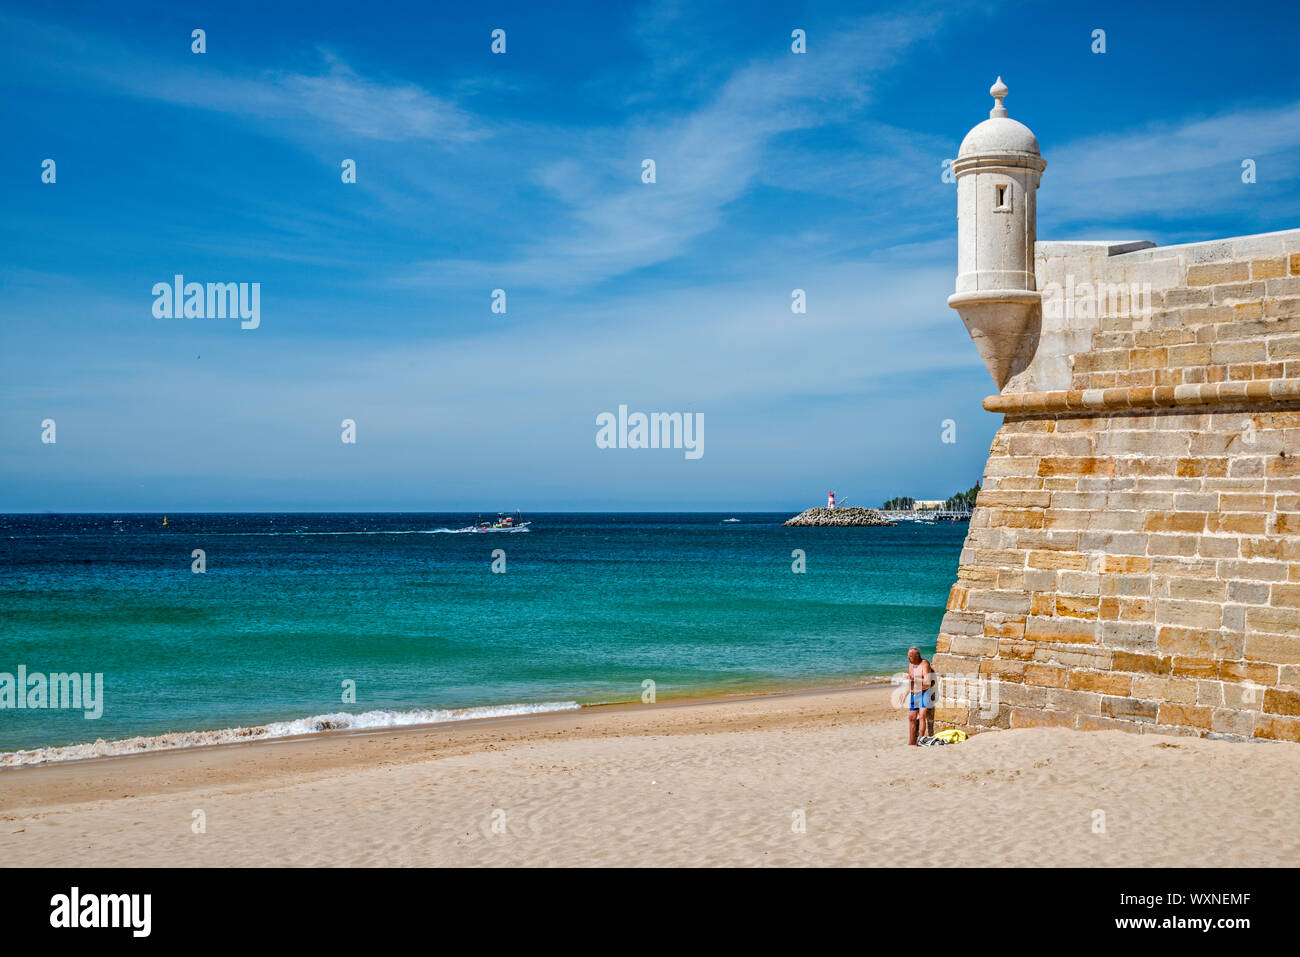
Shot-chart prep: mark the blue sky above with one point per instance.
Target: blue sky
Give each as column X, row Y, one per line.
column 775, row 171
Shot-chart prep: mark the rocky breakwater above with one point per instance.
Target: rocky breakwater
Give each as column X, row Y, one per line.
column 839, row 516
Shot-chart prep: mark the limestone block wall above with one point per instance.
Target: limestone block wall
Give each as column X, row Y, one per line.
column 1133, row 560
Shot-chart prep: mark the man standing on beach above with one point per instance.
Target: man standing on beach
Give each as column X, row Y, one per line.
column 921, row 694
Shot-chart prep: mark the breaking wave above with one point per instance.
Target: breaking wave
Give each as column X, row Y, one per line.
column 339, row 721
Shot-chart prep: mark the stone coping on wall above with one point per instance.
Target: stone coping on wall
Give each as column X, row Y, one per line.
column 1151, row 397
column 1202, row 251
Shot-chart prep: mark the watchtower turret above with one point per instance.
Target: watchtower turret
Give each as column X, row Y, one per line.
column 998, row 168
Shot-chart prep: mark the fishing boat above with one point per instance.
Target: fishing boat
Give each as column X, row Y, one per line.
column 728, row 521
column 504, row 523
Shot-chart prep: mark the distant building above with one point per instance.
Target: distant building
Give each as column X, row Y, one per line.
column 927, row 504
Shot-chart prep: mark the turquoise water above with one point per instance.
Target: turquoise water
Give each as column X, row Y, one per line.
column 588, row 608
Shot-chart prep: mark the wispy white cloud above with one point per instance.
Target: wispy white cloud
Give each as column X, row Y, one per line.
column 612, row 224
column 1167, row 168
column 334, row 97
column 337, row 97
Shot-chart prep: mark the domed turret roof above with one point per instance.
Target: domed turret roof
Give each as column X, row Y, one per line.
column 999, row 133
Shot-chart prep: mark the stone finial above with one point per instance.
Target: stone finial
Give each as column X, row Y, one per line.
column 998, row 91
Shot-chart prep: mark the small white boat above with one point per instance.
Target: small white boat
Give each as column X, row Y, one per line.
column 728, row 521
column 502, row 524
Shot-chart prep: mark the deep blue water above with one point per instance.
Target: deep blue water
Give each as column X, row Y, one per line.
column 588, row 608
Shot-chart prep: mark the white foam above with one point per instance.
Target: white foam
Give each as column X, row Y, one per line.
column 338, row 721
column 382, row 531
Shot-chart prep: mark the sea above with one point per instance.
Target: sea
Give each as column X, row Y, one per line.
column 222, row 627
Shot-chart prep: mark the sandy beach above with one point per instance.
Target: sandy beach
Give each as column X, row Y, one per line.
column 684, row 784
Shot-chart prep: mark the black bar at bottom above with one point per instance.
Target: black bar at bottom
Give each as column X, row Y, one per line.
column 335, row 907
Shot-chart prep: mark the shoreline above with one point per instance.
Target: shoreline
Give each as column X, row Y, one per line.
column 241, row 736
column 241, row 763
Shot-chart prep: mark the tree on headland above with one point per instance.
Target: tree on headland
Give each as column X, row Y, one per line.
column 963, row 501
column 899, row 504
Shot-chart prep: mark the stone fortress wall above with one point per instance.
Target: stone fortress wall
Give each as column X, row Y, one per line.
column 1133, row 561
column 1134, row 557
